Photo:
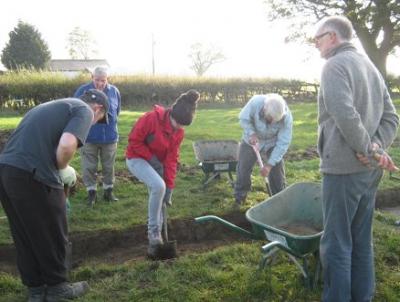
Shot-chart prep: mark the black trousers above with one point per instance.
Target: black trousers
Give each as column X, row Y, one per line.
column 38, row 223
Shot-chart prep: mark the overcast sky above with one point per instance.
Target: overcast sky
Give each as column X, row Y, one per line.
column 123, row 30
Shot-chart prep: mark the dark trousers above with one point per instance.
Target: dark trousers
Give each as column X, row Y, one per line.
column 38, row 223
column 247, row 159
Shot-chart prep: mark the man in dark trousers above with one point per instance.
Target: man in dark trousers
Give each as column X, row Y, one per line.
column 33, row 168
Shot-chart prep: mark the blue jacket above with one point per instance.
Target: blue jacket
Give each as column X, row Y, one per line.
column 104, row 133
column 276, row 135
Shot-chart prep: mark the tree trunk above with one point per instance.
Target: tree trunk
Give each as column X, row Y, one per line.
column 376, row 55
column 379, row 58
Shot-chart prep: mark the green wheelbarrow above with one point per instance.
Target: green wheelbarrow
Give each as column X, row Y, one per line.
column 292, row 222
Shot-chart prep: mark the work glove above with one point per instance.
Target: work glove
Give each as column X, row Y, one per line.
column 68, row 176
column 157, row 165
column 167, row 197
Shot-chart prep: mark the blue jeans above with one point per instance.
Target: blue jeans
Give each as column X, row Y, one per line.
column 346, row 251
column 156, row 187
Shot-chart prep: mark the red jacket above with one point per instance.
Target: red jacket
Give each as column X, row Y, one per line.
column 153, row 134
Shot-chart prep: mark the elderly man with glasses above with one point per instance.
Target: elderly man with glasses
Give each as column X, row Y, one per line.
column 357, row 122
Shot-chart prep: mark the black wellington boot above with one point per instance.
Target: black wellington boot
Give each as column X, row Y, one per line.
column 109, row 196
column 92, row 197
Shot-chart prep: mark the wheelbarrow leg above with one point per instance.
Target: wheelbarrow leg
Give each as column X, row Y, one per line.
column 231, row 179
column 304, row 269
column 209, row 179
column 307, row 278
column 317, row 272
column 268, row 258
column 268, row 250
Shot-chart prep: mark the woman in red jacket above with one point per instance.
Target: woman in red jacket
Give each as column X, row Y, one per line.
column 152, row 156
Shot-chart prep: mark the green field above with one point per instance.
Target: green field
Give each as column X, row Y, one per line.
column 227, row 273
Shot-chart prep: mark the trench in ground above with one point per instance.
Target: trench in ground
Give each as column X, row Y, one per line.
column 110, row 246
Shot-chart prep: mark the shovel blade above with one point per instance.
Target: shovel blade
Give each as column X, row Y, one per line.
column 165, row 251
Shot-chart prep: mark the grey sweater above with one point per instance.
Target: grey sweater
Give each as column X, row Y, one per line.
column 354, row 109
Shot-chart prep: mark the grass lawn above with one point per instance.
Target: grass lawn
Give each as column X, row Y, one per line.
column 225, row 274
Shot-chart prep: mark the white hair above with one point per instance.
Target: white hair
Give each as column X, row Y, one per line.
column 338, row 24
column 274, row 106
column 100, row 71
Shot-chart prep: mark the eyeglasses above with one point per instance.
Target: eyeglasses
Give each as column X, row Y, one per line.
column 319, row 37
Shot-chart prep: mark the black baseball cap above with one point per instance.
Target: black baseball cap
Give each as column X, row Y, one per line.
column 98, row 97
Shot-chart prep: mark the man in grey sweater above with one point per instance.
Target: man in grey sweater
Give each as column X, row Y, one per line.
column 357, row 122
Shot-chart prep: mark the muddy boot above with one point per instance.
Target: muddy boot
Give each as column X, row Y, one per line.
column 36, row 294
column 155, row 245
column 66, row 291
column 109, row 196
column 91, row 198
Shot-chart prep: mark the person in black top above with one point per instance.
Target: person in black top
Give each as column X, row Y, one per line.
column 32, row 167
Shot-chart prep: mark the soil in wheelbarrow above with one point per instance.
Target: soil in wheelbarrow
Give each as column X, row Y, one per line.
column 302, row 228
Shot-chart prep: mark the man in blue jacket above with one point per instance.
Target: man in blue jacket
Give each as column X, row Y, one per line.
column 267, row 124
column 102, row 140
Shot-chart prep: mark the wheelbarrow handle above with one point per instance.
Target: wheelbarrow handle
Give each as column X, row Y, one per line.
column 231, row 226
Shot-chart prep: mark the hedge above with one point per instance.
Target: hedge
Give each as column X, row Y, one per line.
column 25, row 89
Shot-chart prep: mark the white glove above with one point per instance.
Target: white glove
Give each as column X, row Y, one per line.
column 68, row 176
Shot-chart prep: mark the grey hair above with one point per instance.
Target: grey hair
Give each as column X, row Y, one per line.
column 274, row 106
column 340, row 25
column 100, row 71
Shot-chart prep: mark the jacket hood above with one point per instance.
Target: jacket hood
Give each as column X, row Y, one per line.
column 163, row 116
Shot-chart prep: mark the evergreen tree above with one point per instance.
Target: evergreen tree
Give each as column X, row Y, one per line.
column 26, row 49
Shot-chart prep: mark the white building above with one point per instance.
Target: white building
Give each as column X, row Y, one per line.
column 73, row 68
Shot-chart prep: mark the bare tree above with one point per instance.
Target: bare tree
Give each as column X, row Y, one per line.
column 203, row 57
column 81, row 44
column 376, row 22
